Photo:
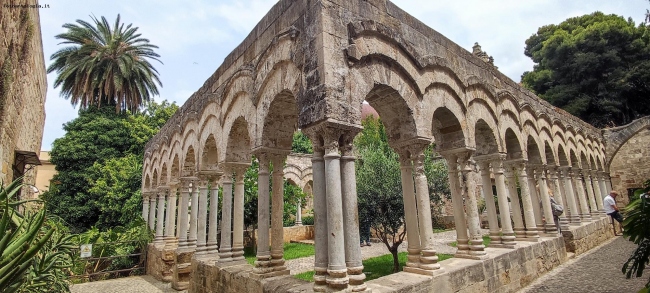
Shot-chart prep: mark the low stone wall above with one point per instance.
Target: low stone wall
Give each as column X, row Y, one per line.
column 291, row 234
column 160, row 262
column 580, row 239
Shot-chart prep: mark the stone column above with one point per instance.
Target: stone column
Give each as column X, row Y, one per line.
column 225, row 249
column 558, row 195
column 546, row 202
column 573, row 213
column 519, row 229
column 428, row 259
column 202, row 222
column 152, row 210
column 534, row 198
column 194, row 214
column 160, row 218
column 477, row 249
column 608, row 183
column 490, row 206
column 580, row 188
column 238, row 214
column 593, row 209
column 299, row 213
column 459, row 210
column 277, row 211
column 603, row 189
column 337, row 278
column 145, row 206
column 263, row 263
column 170, row 219
column 320, row 216
column 182, row 212
column 351, row 216
column 410, row 212
column 212, row 247
column 507, row 234
column 531, row 226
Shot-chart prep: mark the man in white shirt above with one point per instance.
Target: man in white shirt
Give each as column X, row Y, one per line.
column 609, row 203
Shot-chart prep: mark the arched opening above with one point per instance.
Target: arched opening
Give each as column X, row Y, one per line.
column 189, row 166
column 239, row 142
column 163, row 175
column 562, row 158
column 209, row 156
column 513, row 147
column 394, row 113
column 486, row 142
column 280, row 122
column 534, row 154
column 548, row 152
column 446, row 130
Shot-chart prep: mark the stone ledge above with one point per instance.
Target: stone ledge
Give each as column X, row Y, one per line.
column 580, row 239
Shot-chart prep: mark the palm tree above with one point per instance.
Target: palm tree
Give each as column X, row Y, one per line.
column 105, row 65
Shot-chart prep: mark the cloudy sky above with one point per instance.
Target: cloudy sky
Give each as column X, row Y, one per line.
column 195, row 36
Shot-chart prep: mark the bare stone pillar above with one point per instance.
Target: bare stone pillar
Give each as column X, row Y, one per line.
column 263, row 262
column 535, row 198
column 351, row 216
column 593, row 209
column 608, row 183
column 476, row 247
column 202, row 222
column 152, row 210
column 558, row 195
column 337, row 278
column 225, row 249
column 546, row 201
column 212, row 247
column 595, row 181
column 145, row 206
column 170, row 218
column 194, row 214
column 490, row 206
column 519, row 229
column 183, row 212
column 320, row 216
column 603, row 188
column 298, row 213
column 160, row 218
column 459, row 210
column 580, row 188
column 507, row 234
column 277, row 211
column 573, row 213
column 531, row 226
column 410, row 212
column 238, row 214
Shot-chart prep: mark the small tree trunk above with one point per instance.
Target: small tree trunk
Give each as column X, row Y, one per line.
column 393, row 251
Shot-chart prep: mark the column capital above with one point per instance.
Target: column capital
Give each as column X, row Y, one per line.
column 329, row 133
column 412, row 146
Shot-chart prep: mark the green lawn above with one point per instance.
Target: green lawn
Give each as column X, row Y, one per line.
column 375, row 267
column 486, row 241
column 291, row 251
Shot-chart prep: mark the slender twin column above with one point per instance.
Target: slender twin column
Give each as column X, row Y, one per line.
column 194, row 213
column 550, row 227
column 459, row 210
column 170, row 218
column 476, row 247
column 603, row 187
column 519, row 229
column 212, row 248
column 202, row 222
column 277, row 210
column 160, row 218
column 145, row 206
column 558, row 192
column 572, row 214
column 590, row 193
column 507, row 233
column 580, row 191
column 183, row 221
column 152, row 210
column 320, row 217
column 299, row 213
column 595, row 180
column 263, row 262
column 410, row 212
column 238, row 214
column 490, row 206
column 535, row 198
column 529, row 215
column 608, row 182
column 225, row 249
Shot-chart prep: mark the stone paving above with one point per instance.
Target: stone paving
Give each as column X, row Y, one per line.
column 137, row 284
column 597, row 271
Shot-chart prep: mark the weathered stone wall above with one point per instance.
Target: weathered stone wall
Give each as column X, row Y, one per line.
column 22, row 85
column 580, row 239
column 630, row 164
column 160, row 263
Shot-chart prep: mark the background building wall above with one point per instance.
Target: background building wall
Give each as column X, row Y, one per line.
column 23, row 85
column 44, row 172
column 631, row 164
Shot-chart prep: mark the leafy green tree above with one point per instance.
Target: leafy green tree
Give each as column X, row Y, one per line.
column 595, row 66
column 637, row 229
column 105, row 65
column 99, row 165
column 301, row 143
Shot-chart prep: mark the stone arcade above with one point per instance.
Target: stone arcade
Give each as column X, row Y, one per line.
column 309, row 65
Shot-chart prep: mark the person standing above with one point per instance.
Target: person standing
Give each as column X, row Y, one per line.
column 609, row 203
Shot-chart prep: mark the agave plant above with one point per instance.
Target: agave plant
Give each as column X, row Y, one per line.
column 637, row 229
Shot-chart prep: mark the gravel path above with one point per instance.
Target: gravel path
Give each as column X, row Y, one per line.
column 442, row 240
column 598, row 270
column 138, row 284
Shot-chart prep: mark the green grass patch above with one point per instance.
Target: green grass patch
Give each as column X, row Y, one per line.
column 375, row 267
column 291, row 251
column 486, row 241
column 440, row 230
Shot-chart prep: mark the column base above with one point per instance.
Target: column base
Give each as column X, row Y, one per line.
column 320, row 279
column 337, row 279
column 271, row 274
column 471, row 256
column 420, row 271
column 502, row 245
